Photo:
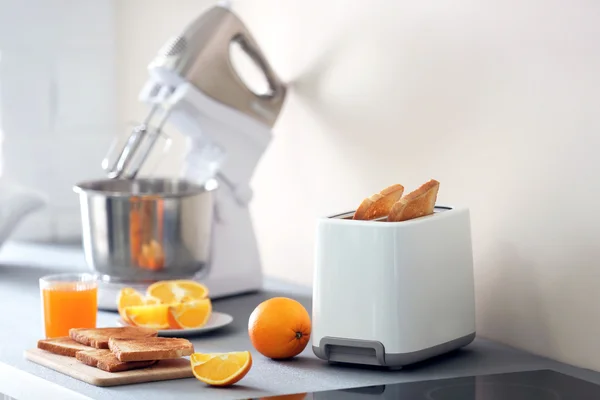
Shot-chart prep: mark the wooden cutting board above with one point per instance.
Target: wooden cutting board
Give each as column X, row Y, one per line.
column 161, row 371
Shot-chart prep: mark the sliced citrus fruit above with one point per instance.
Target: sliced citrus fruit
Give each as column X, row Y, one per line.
column 149, row 300
column 177, row 291
column 189, row 315
column 221, row 369
column 153, row 316
column 128, row 297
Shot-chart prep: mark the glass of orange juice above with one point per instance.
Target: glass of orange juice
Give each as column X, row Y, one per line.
column 68, row 301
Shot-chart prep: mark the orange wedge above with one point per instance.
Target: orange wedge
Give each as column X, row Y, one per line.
column 128, row 297
column 153, row 316
column 189, row 315
column 149, row 300
column 177, row 291
column 221, row 369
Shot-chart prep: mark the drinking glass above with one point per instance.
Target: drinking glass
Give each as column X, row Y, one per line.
column 68, row 301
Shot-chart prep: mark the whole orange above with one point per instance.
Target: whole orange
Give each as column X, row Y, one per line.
column 279, row 328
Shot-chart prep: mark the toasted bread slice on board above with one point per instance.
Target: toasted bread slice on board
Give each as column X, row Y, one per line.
column 64, row 346
column 153, row 348
column 417, row 203
column 379, row 204
column 98, row 337
column 105, row 360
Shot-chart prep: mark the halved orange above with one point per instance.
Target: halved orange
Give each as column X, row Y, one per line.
column 189, row 315
column 153, row 316
column 177, row 291
column 221, row 369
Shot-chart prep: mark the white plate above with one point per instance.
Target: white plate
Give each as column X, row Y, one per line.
column 216, row 321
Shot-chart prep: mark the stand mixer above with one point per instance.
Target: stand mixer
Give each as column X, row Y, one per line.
column 194, row 87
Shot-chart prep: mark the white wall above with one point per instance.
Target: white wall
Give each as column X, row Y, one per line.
column 137, row 45
column 495, row 99
column 57, row 103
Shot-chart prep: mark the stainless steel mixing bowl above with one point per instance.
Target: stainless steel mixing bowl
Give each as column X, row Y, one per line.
column 143, row 230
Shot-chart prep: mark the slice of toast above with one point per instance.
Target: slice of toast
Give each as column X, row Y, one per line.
column 154, row 348
column 64, row 346
column 417, row 203
column 105, row 360
column 98, row 337
column 379, row 204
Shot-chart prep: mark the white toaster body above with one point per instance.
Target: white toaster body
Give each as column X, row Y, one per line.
column 393, row 293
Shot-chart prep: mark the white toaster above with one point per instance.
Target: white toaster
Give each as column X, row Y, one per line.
column 391, row 294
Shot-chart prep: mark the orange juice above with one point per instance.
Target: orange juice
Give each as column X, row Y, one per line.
column 68, row 305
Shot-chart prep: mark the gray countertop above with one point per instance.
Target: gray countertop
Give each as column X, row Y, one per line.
column 21, row 325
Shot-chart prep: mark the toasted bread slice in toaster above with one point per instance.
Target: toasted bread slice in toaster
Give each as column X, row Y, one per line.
column 105, row 360
column 379, row 204
column 152, row 348
column 64, row 346
column 417, row 203
column 98, row 337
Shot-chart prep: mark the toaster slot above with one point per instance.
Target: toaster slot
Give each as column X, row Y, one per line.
column 350, row 214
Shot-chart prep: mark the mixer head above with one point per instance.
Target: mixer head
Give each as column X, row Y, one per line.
column 200, row 58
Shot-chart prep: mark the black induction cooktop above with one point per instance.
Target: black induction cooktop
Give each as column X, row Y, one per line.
column 529, row 385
